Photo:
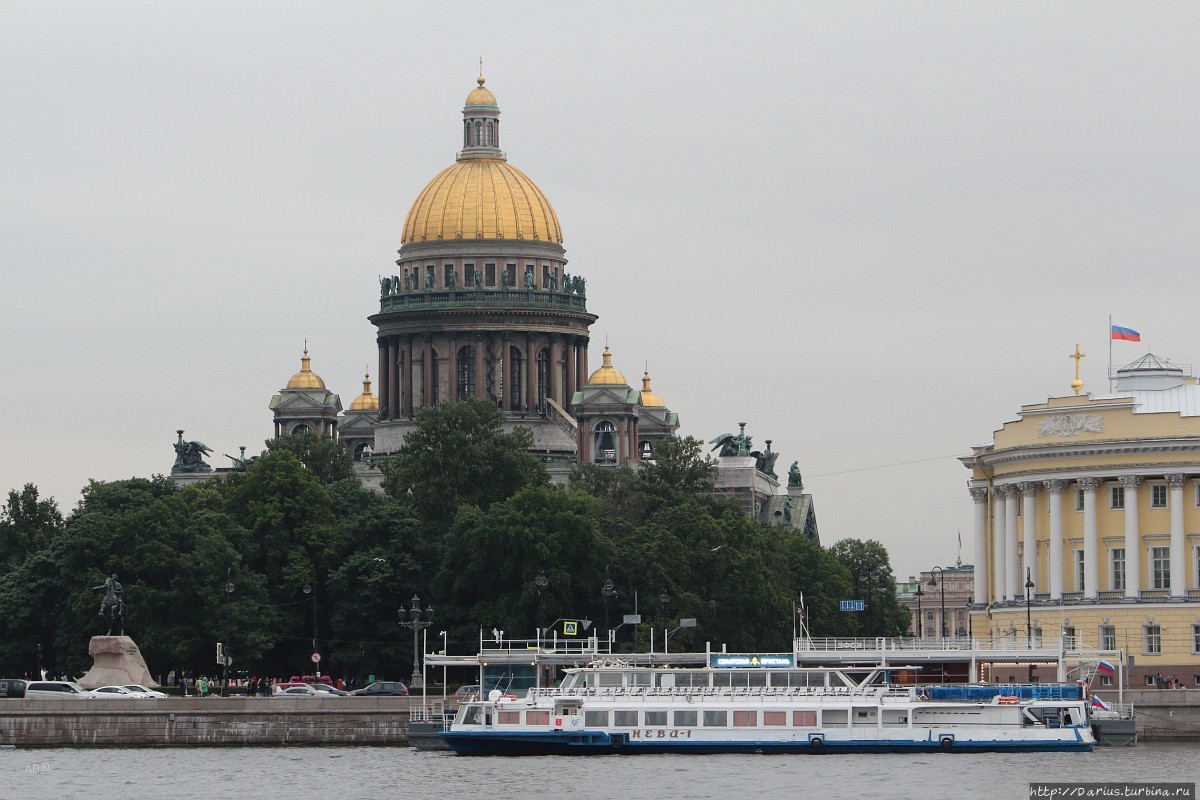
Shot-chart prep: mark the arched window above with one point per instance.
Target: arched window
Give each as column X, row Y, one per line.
column 605, row 437
column 489, row 134
column 478, row 132
column 516, row 378
column 466, row 133
column 301, row 429
column 466, row 372
column 431, row 392
column 543, row 375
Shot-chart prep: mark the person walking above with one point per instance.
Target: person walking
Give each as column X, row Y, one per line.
column 203, row 689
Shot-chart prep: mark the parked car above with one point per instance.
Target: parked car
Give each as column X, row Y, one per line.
column 117, row 693
column 12, row 687
column 326, row 689
column 57, row 690
column 302, row 690
column 134, row 687
column 382, row 689
column 464, row 693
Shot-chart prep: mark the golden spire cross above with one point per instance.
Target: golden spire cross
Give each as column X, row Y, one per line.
column 1077, row 384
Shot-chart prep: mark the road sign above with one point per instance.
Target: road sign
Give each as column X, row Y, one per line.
column 229, row 661
column 316, row 658
column 852, row 605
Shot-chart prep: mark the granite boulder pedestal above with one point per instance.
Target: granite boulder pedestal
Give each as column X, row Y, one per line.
column 116, row 661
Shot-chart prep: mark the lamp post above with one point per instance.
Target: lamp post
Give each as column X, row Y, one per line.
column 309, row 589
column 1028, row 613
column 920, row 594
column 939, row 582
column 227, row 659
column 41, row 675
column 417, row 621
column 445, row 652
column 609, row 592
column 541, row 582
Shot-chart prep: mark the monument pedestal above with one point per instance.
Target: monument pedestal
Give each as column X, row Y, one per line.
column 117, row 661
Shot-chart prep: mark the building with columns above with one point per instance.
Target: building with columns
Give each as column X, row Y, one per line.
column 1089, row 505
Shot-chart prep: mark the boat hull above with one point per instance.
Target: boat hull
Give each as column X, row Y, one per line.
column 490, row 743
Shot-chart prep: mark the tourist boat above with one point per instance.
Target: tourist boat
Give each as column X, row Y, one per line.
column 614, row 707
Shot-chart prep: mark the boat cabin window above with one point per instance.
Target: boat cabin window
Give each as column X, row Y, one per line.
column 745, row 719
column 609, row 678
column 686, row 719
column 804, row 719
column 739, row 678
column 774, row 718
column 656, row 718
column 834, row 718
column 537, row 717
column 640, row 678
column 595, row 719
column 508, row 717
column 665, row 679
column 625, row 719
column 716, row 719
column 473, row 716
column 571, row 681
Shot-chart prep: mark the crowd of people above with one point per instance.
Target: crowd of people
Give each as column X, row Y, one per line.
column 253, row 685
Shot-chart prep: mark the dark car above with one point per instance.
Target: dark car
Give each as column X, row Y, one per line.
column 382, row 689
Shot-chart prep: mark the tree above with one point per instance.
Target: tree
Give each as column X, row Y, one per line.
column 871, row 578
column 27, row 524
column 680, row 465
column 458, row 454
column 325, row 458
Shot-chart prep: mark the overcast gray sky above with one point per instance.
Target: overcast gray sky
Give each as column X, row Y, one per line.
column 870, row 230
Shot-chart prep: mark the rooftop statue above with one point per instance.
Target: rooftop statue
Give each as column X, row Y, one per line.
column 112, row 607
column 794, row 478
column 429, row 279
column 451, row 279
column 529, row 281
column 189, row 456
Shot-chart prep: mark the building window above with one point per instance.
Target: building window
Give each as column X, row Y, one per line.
column 489, row 274
column 515, row 381
column 1152, row 640
column 468, row 274
column 543, row 375
column 1198, row 495
column 1196, row 638
column 466, row 372
column 1158, row 495
column 1151, row 681
column 1079, row 587
column 1106, row 680
column 1108, row 637
column 1069, row 638
column 606, row 443
column 478, row 132
column 1160, row 567
column 1117, row 497
column 1079, row 499
column 929, row 616
column 509, row 276
column 1118, row 568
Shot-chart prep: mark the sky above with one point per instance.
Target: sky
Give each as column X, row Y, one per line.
column 869, row 230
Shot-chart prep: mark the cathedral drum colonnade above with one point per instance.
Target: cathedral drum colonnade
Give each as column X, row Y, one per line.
column 1095, row 500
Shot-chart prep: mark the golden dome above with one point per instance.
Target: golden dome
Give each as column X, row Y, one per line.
column 305, row 378
column 481, row 198
column 480, row 96
column 606, row 375
column 646, row 397
column 365, row 401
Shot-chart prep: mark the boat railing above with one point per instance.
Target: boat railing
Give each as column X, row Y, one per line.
column 722, row 692
column 437, row 711
column 883, row 644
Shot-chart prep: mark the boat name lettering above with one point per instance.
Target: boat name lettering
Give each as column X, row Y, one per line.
column 727, row 661
column 659, row 733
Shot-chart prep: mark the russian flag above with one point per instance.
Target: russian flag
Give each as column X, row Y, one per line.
column 1105, row 668
column 1098, row 703
column 1125, row 334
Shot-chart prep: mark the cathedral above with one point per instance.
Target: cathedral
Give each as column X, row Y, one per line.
column 482, row 305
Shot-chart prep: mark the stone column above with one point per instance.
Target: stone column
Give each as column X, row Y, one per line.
column 569, row 366
column 1091, row 544
column 393, row 377
column 407, row 391
column 452, row 361
column 1029, row 528
column 427, row 376
column 506, row 377
column 622, row 441
column 480, row 346
column 1014, row 586
column 582, row 356
column 552, row 388
column 1054, row 561
column 1178, row 559
column 1133, row 545
column 999, row 579
column 979, row 494
column 384, row 378
column 530, row 372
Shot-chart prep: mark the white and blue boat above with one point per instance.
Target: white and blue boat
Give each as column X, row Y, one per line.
column 615, row 707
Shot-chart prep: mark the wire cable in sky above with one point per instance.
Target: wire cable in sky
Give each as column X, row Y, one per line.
column 880, row 466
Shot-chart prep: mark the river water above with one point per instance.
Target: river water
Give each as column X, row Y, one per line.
column 350, row 773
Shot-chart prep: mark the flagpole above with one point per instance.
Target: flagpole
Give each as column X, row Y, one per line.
column 1110, row 387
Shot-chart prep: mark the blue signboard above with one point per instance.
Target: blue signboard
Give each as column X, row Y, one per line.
column 749, row 661
column 852, row 605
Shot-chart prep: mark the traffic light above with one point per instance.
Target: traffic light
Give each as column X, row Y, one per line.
column 220, row 653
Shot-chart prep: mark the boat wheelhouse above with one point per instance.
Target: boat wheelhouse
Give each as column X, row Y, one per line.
column 614, row 707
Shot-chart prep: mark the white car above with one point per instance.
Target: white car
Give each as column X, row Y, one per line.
column 297, row 691
column 117, row 693
column 134, row 687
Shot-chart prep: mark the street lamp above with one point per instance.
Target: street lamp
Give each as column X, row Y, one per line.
column 541, row 582
column 316, row 652
column 609, row 592
column 41, row 675
column 920, row 594
column 935, row 583
column 417, row 621
column 687, row 622
column 1028, row 617
column 445, row 652
column 227, row 659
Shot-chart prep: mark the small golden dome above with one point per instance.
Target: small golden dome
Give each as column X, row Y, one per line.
column 480, row 96
column 606, row 375
column 481, row 198
column 365, row 401
column 305, row 378
column 646, row 397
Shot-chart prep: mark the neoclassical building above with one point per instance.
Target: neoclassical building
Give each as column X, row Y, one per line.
column 1094, row 502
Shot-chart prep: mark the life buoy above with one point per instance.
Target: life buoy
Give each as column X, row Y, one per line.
column 816, row 743
column 947, row 742
column 509, row 697
column 1008, row 700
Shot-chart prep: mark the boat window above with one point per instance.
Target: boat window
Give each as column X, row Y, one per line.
column 508, row 717
column 656, row 718
column 473, row 716
column 804, row 719
column 610, row 678
column 595, row 719
column 686, row 719
column 716, row 719
column 640, row 678
column 625, row 719
column 864, row 716
column 570, row 681
column 774, row 718
column 834, row 718
column 745, row 719
column 537, row 717
column 722, row 678
column 779, row 679
column 756, row 678
column 666, row 680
